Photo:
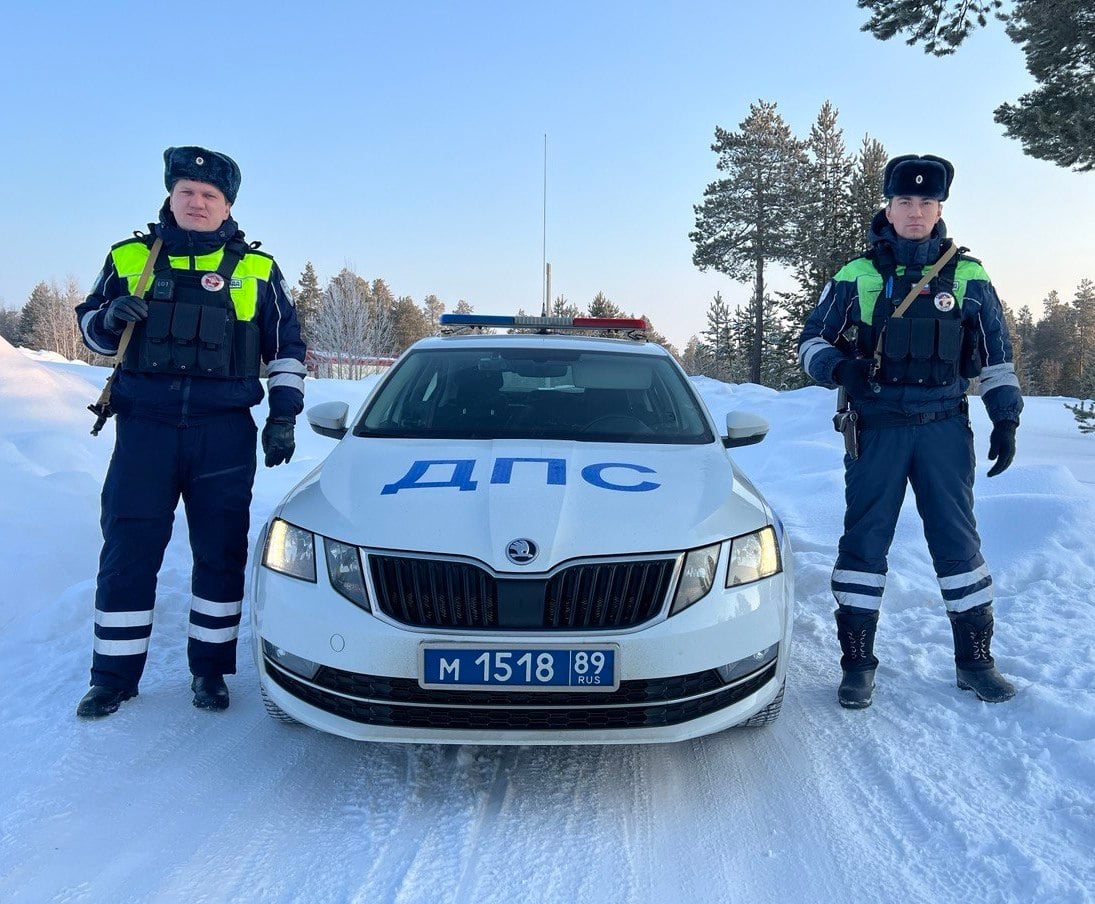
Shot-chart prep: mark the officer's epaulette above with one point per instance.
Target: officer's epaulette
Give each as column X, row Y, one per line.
column 253, row 248
column 145, row 238
column 867, row 255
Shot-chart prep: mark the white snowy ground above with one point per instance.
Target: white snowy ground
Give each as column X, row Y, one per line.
column 928, row 796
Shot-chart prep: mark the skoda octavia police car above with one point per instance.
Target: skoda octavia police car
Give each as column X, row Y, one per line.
column 525, row 538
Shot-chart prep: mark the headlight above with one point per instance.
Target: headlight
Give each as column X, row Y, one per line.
column 290, row 550
column 696, row 578
column 752, row 557
column 344, row 570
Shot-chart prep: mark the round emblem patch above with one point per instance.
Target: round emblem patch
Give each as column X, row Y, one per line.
column 919, row 179
column 214, row 282
column 521, row 551
column 944, row 301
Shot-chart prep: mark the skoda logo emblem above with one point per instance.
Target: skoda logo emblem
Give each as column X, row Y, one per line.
column 521, row 551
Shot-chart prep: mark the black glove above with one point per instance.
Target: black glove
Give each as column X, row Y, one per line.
column 277, row 440
column 1002, row 446
column 122, row 310
column 854, row 375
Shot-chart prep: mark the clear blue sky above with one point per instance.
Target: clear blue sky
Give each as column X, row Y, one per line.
column 406, row 139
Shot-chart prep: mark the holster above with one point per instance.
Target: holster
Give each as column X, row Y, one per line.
column 846, row 423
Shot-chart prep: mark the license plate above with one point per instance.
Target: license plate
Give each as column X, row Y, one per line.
column 577, row 667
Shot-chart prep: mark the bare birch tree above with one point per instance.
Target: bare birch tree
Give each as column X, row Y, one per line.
column 350, row 327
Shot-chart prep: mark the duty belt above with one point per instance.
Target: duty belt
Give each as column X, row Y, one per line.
column 872, row 421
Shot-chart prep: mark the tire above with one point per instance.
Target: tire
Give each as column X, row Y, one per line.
column 768, row 715
column 274, row 711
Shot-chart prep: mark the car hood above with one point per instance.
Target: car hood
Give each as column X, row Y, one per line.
column 474, row 497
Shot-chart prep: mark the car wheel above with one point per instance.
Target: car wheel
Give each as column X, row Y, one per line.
column 768, row 715
column 274, row 711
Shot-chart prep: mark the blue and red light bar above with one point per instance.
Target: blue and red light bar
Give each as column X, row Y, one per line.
column 544, row 323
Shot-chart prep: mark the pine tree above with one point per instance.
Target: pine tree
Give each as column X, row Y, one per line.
column 1023, row 337
column 307, row 300
column 746, row 219
column 824, row 220
column 432, row 309
column 563, row 308
column 718, row 341
column 602, row 307
column 1083, row 307
column 1054, row 122
column 9, row 325
column 34, row 313
column 940, row 24
column 691, row 358
column 832, row 220
column 1053, row 349
column 48, row 321
column 462, row 307
column 410, row 324
column 1084, row 414
column 865, row 191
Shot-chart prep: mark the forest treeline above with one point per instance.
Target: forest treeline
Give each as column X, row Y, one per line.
column 799, row 203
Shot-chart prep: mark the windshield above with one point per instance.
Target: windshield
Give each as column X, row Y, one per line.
column 589, row 396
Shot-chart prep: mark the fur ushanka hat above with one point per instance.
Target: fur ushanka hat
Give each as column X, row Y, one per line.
column 912, row 174
column 202, row 165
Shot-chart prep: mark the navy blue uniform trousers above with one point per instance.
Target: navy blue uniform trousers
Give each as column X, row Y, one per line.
column 211, row 466
column 937, row 459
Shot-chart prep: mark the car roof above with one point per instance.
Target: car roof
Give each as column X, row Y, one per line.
column 540, row 341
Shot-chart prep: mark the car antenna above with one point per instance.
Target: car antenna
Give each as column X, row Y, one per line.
column 546, row 309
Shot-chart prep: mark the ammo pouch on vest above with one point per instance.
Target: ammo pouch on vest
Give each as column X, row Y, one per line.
column 191, row 329
column 923, row 341
column 920, row 351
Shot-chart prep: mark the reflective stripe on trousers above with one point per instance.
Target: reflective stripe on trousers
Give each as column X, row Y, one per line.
column 211, row 467
column 937, row 460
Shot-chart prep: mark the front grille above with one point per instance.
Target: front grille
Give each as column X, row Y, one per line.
column 432, row 593
column 437, row 593
column 612, row 595
column 646, row 704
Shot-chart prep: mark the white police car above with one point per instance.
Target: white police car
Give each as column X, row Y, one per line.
column 526, row 538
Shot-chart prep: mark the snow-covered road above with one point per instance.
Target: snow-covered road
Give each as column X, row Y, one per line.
column 928, row 796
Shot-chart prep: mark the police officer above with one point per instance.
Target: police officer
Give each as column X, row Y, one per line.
column 215, row 308
column 905, row 374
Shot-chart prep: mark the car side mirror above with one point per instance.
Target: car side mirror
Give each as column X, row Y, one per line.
column 329, row 419
column 744, row 429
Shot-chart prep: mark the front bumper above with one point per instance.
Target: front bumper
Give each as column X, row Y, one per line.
column 670, row 690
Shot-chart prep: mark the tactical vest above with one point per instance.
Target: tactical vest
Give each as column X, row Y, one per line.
column 927, row 345
column 201, row 311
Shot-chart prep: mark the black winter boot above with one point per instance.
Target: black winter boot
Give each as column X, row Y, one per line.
column 210, row 692
column 102, row 701
column 973, row 660
column 855, row 628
